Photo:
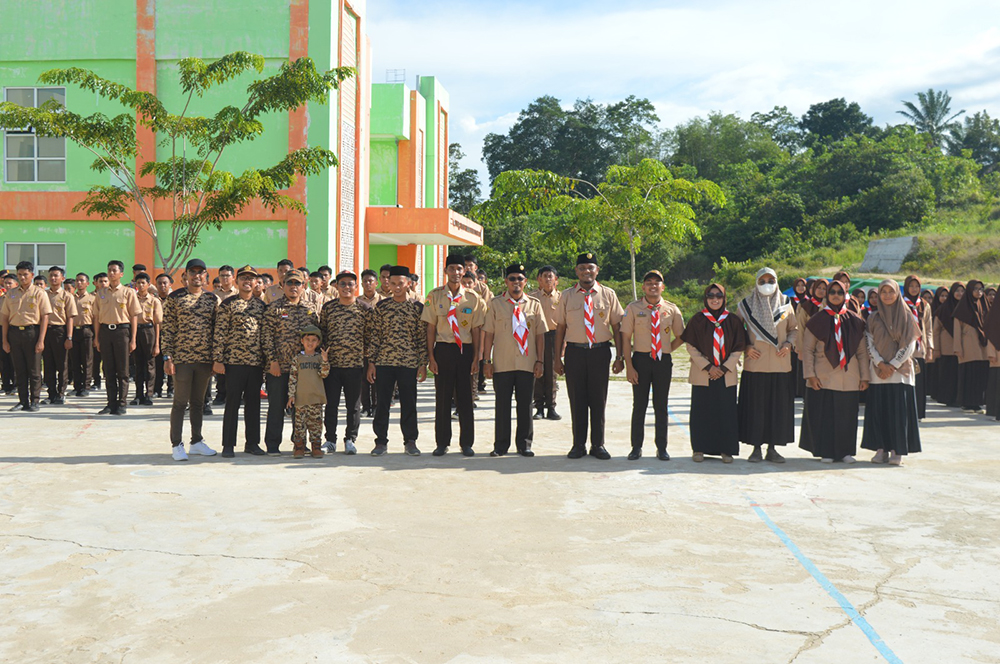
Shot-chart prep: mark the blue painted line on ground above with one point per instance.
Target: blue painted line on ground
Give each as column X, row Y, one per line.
column 828, row 586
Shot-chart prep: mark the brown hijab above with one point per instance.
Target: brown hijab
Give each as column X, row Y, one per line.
column 936, row 303
column 973, row 311
column 892, row 327
column 796, row 298
column 916, row 305
column 700, row 332
column 993, row 325
column 852, row 331
column 946, row 314
column 812, row 304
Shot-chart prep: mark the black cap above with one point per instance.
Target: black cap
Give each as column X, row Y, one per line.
column 345, row 274
column 400, row 271
column 454, row 259
column 516, row 268
column 196, row 262
column 586, row 259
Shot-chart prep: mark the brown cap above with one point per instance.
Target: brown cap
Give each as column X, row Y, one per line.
column 246, row 269
column 653, row 273
column 294, row 274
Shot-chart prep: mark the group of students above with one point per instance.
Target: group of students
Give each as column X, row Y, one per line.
column 311, row 346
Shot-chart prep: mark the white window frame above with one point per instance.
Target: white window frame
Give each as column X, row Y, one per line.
column 28, row 131
column 34, row 256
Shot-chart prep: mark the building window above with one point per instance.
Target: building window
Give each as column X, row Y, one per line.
column 31, row 158
column 42, row 255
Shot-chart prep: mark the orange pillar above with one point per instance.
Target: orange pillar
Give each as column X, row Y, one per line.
column 297, row 132
column 145, row 81
column 406, row 254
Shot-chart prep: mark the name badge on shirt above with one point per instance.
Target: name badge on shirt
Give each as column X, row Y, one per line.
column 641, row 314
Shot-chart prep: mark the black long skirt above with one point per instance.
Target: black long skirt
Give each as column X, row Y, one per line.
column 920, row 389
column 830, row 424
column 993, row 393
column 931, row 380
column 714, row 420
column 800, row 380
column 947, row 392
column 891, row 419
column 767, row 408
column 972, row 379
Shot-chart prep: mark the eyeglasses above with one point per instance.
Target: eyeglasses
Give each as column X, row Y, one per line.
column 836, row 292
column 515, row 278
column 714, row 296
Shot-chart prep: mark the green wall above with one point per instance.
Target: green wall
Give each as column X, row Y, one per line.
column 259, row 243
column 390, row 114
column 89, row 244
column 380, row 254
column 382, row 175
column 213, row 29
column 31, row 30
column 429, row 277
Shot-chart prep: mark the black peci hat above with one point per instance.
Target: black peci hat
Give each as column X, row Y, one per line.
column 399, row 271
column 516, row 268
column 586, row 259
column 454, row 259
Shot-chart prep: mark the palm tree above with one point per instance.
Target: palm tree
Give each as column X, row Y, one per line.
column 931, row 117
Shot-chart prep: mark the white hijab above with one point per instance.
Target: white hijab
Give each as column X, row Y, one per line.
column 762, row 312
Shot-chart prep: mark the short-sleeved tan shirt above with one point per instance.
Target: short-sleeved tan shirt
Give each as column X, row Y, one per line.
column 375, row 299
column 63, row 306
column 636, row 325
column 25, row 307
column 607, row 312
column 152, row 309
column 549, row 302
column 470, row 312
column 224, row 294
column 115, row 306
column 84, row 310
column 500, row 322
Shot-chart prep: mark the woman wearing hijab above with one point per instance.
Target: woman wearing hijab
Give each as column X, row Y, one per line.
column 714, row 338
column 925, row 343
column 799, row 293
column 934, row 300
column 870, row 305
column 835, row 362
column 990, row 295
column 858, row 297
column 944, row 346
column 970, row 347
column 813, row 302
column 767, row 388
column 845, row 278
column 800, row 288
column 890, row 405
column 993, row 353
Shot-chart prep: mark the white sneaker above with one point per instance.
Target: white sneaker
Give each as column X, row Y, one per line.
column 848, row 459
column 179, row 454
column 201, row 448
column 826, row 460
column 329, row 447
column 349, row 447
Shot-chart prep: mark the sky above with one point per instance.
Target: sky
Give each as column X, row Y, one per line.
column 688, row 57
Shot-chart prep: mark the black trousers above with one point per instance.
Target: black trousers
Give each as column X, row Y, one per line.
column 7, row 371
column 220, row 388
column 244, row 384
column 98, row 367
column 587, row 374
column 161, row 377
column 520, row 385
column 145, row 363
column 350, row 381
column 387, row 380
column 655, row 374
column 27, row 363
column 277, row 399
column 114, row 356
column 368, row 398
column 81, row 358
column 546, row 386
column 191, row 379
column 54, row 362
column 454, row 378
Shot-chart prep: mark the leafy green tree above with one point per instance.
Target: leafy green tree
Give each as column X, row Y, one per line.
column 831, row 121
column 632, row 204
column 464, row 191
column 200, row 193
column 979, row 139
column 710, row 144
column 933, row 116
column 783, row 127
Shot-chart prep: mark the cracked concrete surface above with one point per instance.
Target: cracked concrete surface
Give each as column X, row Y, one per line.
column 114, row 553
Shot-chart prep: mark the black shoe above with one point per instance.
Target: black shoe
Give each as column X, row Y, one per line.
column 33, row 408
column 636, row 453
column 158, row 395
column 16, row 407
column 77, row 393
column 228, row 453
column 105, row 411
column 44, row 402
column 440, row 450
column 207, row 410
column 121, row 410
column 539, row 414
column 146, row 402
column 576, row 453
column 57, row 401
column 662, row 455
column 85, row 393
column 600, row 453
column 170, row 393
column 553, row 415
column 526, row 453
column 467, row 451
column 497, row 453
column 254, row 450
column 134, row 402
column 218, row 402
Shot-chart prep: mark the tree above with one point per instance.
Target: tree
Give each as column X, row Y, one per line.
column 783, row 127
column 831, row 121
column 710, row 144
column 932, row 116
column 631, row 204
column 464, row 191
column 201, row 194
column 980, row 138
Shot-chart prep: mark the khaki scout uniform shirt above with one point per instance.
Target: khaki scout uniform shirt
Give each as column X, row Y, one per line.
column 483, row 291
column 84, row 310
column 816, row 365
column 375, row 299
column 273, row 292
column 500, row 321
column 470, row 311
column 188, row 320
column 63, row 307
column 344, row 333
column 237, row 336
column 637, row 324
column 116, row 306
column 397, row 337
column 152, row 309
column 607, row 312
column 25, row 307
column 224, row 294
column 549, row 302
column 280, row 337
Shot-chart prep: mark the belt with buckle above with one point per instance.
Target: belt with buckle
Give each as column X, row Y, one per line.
column 143, row 326
column 586, row 346
column 27, row 327
column 115, row 326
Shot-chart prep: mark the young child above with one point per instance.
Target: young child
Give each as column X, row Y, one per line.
column 307, row 393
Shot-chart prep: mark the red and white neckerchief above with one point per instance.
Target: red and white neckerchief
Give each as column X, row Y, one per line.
column 816, row 302
column 519, row 326
column 837, row 335
column 655, row 347
column 453, row 317
column 796, row 298
column 719, row 338
column 588, row 314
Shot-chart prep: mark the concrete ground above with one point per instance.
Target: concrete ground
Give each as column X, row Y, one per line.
column 113, row 552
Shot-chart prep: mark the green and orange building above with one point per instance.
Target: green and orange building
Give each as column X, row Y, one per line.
column 385, row 203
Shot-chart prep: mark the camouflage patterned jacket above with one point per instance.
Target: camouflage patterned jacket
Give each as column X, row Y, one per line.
column 397, row 337
column 280, row 338
column 238, row 331
column 186, row 332
column 345, row 333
